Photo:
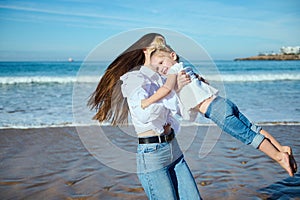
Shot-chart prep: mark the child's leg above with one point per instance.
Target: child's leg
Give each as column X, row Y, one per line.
column 279, row 147
column 282, row 158
column 226, row 115
column 272, row 140
column 245, row 120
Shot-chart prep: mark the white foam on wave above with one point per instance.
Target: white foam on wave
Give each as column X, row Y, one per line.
column 253, row 77
column 36, row 126
column 95, row 79
column 47, row 79
column 281, row 123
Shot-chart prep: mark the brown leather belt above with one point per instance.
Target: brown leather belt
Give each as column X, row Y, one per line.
column 157, row 139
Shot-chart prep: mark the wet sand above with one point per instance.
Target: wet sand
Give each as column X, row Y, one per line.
column 53, row 163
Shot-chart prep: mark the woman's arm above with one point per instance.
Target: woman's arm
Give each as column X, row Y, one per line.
column 161, row 92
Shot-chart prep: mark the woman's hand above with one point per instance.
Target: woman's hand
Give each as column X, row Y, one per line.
column 147, row 53
column 182, row 80
column 200, row 78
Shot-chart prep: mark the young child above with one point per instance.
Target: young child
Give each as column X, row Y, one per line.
column 197, row 91
column 198, row 95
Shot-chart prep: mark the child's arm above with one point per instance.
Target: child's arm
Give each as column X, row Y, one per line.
column 161, row 92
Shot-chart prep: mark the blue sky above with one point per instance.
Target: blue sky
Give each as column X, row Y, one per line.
column 58, row 29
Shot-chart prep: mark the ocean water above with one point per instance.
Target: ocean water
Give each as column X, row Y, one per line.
column 43, row 94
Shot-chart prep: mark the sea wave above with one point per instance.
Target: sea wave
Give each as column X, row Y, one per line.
column 48, row 79
column 187, row 124
column 95, row 79
column 253, row 77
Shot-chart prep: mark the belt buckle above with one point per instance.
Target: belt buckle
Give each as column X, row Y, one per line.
column 159, row 139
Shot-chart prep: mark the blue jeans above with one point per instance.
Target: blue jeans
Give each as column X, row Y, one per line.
column 228, row 117
column 163, row 172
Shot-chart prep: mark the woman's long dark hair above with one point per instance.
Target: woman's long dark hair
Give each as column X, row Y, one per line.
column 107, row 99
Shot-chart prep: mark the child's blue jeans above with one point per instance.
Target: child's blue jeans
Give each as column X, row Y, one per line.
column 228, row 117
column 163, row 172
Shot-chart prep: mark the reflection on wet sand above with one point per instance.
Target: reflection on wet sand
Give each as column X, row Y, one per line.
column 52, row 163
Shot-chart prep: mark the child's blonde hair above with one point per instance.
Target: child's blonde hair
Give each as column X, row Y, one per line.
column 165, row 49
column 158, row 42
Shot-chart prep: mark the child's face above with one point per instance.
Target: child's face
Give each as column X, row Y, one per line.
column 163, row 61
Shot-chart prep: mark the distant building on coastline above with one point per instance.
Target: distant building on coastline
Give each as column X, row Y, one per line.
column 290, row 50
column 283, row 51
column 286, row 53
column 272, row 53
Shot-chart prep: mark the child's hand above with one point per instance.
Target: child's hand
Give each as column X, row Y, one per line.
column 144, row 103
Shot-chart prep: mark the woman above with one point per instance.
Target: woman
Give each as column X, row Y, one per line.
column 162, row 170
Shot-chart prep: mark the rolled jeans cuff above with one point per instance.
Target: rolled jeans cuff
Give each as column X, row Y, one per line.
column 257, row 140
column 256, row 128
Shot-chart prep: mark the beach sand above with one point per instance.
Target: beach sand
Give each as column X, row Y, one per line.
column 53, row 163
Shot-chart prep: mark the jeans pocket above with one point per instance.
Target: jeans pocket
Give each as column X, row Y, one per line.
column 151, row 148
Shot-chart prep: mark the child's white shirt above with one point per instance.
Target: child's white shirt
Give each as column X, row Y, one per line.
column 193, row 93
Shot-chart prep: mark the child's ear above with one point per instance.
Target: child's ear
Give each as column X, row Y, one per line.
column 173, row 55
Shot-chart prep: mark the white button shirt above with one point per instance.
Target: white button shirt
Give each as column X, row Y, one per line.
column 141, row 84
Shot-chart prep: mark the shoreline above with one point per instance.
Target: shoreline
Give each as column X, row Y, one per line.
column 266, row 123
column 279, row 57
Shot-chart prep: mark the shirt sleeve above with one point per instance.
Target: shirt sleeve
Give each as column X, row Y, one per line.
column 131, row 82
column 148, row 114
column 134, row 88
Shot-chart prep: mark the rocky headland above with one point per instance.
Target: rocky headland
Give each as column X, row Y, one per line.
column 272, row 57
